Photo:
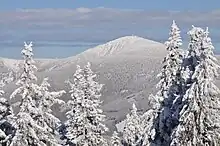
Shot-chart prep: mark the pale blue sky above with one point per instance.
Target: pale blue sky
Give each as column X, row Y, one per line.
column 65, row 28
column 124, row 4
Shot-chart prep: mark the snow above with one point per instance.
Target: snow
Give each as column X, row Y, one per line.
column 122, row 46
column 120, row 126
column 11, row 64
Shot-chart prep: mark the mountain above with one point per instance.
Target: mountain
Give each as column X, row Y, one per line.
column 127, row 66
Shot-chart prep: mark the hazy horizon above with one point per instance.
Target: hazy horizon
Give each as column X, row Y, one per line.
column 64, row 49
column 63, row 29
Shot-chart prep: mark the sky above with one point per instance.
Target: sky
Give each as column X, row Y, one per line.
column 64, row 28
column 121, row 4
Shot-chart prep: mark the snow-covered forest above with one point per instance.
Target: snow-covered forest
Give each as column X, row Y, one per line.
column 183, row 112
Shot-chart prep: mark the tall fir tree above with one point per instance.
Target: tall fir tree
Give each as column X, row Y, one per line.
column 199, row 117
column 170, row 90
column 170, row 76
column 85, row 118
column 115, row 139
column 27, row 129
column 7, row 117
column 45, row 100
column 149, row 119
column 192, row 58
column 133, row 129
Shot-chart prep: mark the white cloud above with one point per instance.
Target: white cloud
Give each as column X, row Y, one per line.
column 83, row 10
column 86, row 16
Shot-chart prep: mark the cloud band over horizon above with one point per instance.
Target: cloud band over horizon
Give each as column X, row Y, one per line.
column 98, row 25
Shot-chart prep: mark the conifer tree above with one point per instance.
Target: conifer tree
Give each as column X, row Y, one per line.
column 115, row 140
column 6, row 122
column 6, row 78
column 85, row 118
column 149, row 118
column 7, row 118
column 199, row 117
column 27, row 129
column 192, row 58
column 170, row 89
column 45, row 100
column 133, row 130
column 170, row 76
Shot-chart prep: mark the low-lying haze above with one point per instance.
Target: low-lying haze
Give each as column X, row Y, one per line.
column 58, row 33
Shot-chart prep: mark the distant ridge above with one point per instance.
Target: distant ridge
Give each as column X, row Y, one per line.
column 124, row 45
column 127, row 45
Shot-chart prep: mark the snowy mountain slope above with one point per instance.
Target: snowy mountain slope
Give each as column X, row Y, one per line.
column 128, row 71
column 128, row 45
column 14, row 65
column 127, row 66
column 10, row 64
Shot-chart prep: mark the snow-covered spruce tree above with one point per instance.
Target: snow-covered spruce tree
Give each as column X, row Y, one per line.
column 149, row 118
column 45, row 100
column 170, row 89
column 7, row 77
column 133, row 130
column 2, row 84
column 6, row 122
column 84, row 123
column 192, row 58
column 115, row 140
column 27, row 129
column 6, row 118
column 199, row 117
